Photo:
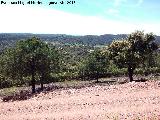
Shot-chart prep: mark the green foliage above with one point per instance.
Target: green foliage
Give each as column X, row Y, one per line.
column 114, row 70
column 157, row 59
column 132, row 51
column 30, row 57
column 33, row 61
column 96, row 64
column 118, row 52
column 147, row 71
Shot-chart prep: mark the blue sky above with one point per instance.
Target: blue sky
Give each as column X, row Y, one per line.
column 94, row 17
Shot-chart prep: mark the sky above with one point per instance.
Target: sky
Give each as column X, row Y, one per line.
column 82, row 17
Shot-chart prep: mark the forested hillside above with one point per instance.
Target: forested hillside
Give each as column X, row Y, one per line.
column 43, row 58
column 91, row 40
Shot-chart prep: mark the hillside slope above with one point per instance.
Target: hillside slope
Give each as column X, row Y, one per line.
column 10, row 38
column 126, row 101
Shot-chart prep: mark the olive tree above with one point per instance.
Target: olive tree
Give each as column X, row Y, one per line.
column 30, row 57
column 132, row 51
column 95, row 64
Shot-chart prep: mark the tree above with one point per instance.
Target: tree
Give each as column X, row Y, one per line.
column 9, row 62
column 30, row 57
column 96, row 64
column 132, row 51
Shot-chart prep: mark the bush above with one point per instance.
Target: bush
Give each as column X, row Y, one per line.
column 139, row 71
column 113, row 70
column 147, row 71
column 5, row 83
column 153, row 70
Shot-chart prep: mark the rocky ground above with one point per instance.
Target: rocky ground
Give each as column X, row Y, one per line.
column 132, row 101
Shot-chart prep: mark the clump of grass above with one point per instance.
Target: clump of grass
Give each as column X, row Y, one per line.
column 8, row 91
column 14, row 93
column 72, row 84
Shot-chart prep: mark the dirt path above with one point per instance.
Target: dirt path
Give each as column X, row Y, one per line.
column 127, row 101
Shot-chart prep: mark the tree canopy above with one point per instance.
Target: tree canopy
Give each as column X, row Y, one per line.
column 30, row 57
column 96, row 64
column 133, row 50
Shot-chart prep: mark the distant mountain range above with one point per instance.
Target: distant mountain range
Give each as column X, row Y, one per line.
column 92, row 40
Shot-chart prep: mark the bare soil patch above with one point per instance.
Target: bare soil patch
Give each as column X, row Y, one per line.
column 134, row 100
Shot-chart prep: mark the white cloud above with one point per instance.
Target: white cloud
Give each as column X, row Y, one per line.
column 139, row 2
column 39, row 20
column 113, row 11
column 118, row 2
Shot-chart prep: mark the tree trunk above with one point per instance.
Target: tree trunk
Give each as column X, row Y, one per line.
column 33, row 76
column 97, row 76
column 41, row 80
column 33, row 82
column 130, row 73
column 42, row 86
